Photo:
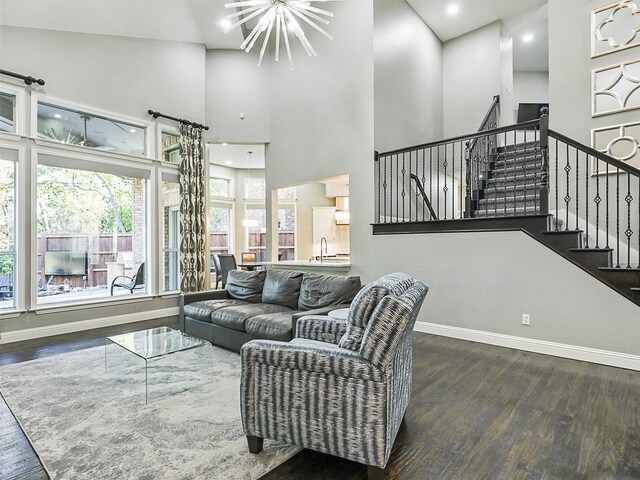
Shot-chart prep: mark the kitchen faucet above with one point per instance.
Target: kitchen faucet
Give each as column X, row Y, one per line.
column 325, row 248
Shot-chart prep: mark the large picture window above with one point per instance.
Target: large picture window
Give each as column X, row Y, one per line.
column 75, row 127
column 91, row 234
column 7, row 233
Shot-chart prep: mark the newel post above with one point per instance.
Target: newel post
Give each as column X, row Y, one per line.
column 544, row 149
column 468, row 207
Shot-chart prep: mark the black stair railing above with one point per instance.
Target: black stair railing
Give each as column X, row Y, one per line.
column 478, row 154
column 444, row 172
column 597, row 195
column 425, row 199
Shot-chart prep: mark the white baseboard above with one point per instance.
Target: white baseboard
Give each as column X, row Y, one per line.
column 574, row 352
column 62, row 328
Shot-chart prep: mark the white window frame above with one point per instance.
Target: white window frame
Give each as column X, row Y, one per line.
column 146, row 125
column 160, row 127
column 151, row 225
column 294, row 203
column 19, row 122
column 171, row 169
column 19, row 231
column 226, row 203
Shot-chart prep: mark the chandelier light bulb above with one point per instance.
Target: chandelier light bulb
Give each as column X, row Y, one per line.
column 282, row 18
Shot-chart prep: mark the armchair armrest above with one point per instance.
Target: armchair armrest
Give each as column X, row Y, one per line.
column 122, row 276
column 316, row 311
column 311, row 356
column 321, row 328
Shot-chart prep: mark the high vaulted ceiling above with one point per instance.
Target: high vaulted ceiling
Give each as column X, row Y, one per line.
column 198, row 21
column 195, row 21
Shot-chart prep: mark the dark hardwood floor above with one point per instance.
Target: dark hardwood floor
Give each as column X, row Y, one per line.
column 477, row 413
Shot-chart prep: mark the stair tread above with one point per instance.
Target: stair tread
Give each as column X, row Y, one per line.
column 622, row 269
column 635, row 289
column 591, row 249
column 562, row 232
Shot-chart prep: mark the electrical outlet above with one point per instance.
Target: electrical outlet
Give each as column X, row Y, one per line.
column 526, row 319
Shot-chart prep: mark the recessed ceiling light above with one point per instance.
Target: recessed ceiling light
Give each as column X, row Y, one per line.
column 132, row 130
column 527, row 37
column 225, row 144
column 453, row 9
column 57, row 115
column 225, row 23
column 228, row 162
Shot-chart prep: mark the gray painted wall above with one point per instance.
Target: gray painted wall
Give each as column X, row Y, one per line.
column 471, row 78
column 234, row 86
column 122, row 75
column 407, row 77
column 322, row 114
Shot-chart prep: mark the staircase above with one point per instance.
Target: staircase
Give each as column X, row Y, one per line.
column 512, row 182
column 519, row 177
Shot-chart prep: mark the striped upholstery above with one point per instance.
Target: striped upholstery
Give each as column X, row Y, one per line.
column 366, row 301
column 340, row 401
column 321, row 327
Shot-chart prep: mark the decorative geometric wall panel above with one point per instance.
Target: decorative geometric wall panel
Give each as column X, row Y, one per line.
column 616, row 88
column 621, row 142
column 615, row 27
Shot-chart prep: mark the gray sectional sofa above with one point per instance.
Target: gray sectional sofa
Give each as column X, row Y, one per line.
column 262, row 305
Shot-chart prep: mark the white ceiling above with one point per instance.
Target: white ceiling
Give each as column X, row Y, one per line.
column 238, row 155
column 194, row 21
column 198, row 21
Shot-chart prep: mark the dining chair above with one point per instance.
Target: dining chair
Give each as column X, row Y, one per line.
column 218, row 269
column 227, row 263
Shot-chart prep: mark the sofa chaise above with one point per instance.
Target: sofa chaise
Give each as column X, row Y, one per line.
column 262, row 305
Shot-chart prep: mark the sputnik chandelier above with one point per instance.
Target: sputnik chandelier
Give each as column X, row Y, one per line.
column 284, row 15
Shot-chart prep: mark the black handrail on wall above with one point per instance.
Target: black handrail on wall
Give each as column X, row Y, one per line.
column 425, row 199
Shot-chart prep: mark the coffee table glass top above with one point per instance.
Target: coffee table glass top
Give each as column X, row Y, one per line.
column 156, row 342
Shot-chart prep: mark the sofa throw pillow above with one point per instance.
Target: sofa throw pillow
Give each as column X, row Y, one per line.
column 365, row 303
column 318, row 291
column 247, row 286
column 282, row 287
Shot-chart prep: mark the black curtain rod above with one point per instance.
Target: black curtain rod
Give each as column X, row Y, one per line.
column 28, row 79
column 181, row 120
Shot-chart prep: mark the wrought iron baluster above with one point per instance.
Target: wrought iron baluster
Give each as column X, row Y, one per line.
column 403, row 195
column 438, row 181
column 628, row 232
column 377, row 162
column 453, row 180
column 557, row 181
column 567, row 197
column 460, row 213
column 431, row 176
column 423, row 182
column 397, row 188
column 586, row 198
column 391, row 189
column 617, row 217
column 606, row 202
column 384, row 187
column 503, row 155
column 445, row 189
column 597, row 200
column 524, row 171
column 577, row 190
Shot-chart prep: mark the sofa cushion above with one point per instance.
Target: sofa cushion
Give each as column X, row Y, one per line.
column 235, row 317
column 318, row 291
column 365, row 303
column 243, row 285
column 271, row 326
column 202, row 310
column 282, row 287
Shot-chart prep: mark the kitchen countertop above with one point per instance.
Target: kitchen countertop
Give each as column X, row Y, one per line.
column 311, row 265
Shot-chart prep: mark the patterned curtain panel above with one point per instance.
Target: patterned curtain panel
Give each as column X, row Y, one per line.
column 193, row 254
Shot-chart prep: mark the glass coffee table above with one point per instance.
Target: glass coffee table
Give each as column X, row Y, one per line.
column 169, row 355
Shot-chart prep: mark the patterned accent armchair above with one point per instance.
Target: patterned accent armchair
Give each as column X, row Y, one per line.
column 340, row 387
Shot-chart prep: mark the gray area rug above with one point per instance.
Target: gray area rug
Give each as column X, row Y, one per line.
column 88, row 424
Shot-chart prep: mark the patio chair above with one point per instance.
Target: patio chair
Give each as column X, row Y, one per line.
column 130, row 283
